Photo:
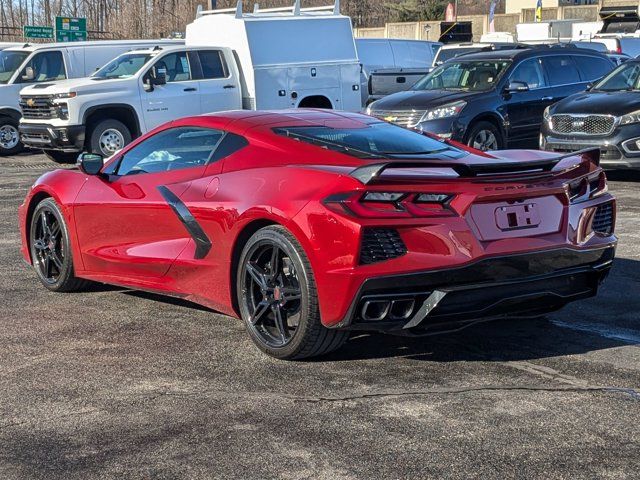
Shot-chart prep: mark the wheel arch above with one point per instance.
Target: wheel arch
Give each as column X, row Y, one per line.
column 33, row 203
column 316, row 101
column 492, row 118
column 10, row 112
column 118, row 111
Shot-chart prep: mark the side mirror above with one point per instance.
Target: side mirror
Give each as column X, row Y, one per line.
column 147, row 83
column 90, row 163
column 158, row 75
column 29, row 74
column 517, row 86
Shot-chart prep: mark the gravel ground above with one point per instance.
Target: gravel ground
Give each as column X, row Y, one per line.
column 120, row 384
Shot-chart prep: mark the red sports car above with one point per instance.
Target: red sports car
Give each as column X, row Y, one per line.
column 309, row 224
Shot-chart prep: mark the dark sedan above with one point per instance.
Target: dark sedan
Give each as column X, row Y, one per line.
column 605, row 116
column 494, row 99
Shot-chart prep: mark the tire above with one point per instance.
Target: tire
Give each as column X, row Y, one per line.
column 292, row 293
column 50, row 248
column 61, row 157
column 108, row 136
column 10, row 143
column 488, row 131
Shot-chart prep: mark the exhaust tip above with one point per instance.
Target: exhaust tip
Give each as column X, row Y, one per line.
column 375, row 310
column 402, row 309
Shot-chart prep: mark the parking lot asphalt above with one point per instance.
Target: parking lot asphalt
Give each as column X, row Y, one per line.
column 114, row 383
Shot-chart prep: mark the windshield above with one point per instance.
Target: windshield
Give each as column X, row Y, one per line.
column 124, row 66
column 377, row 140
column 625, row 77
column 472, row 76
column 448, row 53
column 9, row 63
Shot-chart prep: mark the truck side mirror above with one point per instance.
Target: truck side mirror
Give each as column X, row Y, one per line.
column 159, row 75
column 90, row 163
column 29, row 74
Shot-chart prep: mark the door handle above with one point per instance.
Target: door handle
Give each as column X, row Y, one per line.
column 190, row 89
column 229, row 86
column 546, row 99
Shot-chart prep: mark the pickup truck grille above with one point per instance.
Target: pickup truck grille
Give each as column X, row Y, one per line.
column 404, row 118
column 582, row 124
column 38, row 107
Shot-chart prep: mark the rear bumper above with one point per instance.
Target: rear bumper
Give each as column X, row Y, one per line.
column 512, row 285
column 48, row 137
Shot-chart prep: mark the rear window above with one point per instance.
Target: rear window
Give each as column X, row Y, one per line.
column 592, row 68
column 377, row 140
column 213, row 65
column 560, row 70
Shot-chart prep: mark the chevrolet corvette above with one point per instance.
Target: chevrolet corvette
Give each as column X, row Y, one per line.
column 310, row 224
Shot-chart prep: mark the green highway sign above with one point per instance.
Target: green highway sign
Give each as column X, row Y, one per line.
column 71, row 29
column 30, row 31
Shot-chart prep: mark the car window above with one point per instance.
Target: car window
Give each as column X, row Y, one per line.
column 172, row 149
column 560, row 70
column 213, row 64
column 176, row 65
column 476, row 75
column 47, row 67
column 592, row 68
column 625, row 77
column 529, row 72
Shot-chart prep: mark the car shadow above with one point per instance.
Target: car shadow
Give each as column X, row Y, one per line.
column 580, row 327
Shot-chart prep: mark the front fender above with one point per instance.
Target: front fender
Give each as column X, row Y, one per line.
column 63, row 187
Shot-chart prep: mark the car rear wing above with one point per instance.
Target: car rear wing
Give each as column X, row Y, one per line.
column 370, row 173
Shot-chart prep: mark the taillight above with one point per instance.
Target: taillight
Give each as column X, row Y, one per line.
column 375, row 204
column 587, row 187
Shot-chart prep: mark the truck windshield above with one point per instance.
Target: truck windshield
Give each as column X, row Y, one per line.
column 625, row 77
column 377, row 140
column 471, row 75
column 124, row 66
column 9, row 63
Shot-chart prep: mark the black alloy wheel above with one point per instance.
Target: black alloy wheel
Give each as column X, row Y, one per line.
column 50, row 249
column 278, row 299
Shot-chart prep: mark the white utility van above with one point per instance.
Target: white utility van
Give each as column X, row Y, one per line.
column 391, row 65
column 268, row 59
column 47, row 62
column 289, row 57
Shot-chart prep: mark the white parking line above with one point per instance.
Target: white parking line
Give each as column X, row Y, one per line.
column 623, row 334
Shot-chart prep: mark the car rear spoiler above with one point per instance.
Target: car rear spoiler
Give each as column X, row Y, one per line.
column 370, row 173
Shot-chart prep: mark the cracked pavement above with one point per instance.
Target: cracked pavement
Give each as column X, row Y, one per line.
column 114, row 383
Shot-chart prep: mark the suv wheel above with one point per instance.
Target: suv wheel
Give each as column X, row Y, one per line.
column 108, row 136
column 278, row 299
column 9, row 137
column 484, row 136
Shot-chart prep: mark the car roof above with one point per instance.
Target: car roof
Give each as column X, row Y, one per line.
column 526, row 52
column 239, row 121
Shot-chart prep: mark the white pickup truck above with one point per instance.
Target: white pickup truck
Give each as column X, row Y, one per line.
column 44, row 63
column 268, row 59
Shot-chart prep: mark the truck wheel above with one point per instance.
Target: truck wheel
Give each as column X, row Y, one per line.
column 484, row 136
column 10, row 143
column 61, row 157
column 108, row 136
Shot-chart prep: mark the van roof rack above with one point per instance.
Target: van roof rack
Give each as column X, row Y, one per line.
column 295, row 10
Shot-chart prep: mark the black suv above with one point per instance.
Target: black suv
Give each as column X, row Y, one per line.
column 493, row 99
column 605, row 116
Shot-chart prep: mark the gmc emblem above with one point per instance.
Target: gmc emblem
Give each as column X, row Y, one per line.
column 515, row 217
